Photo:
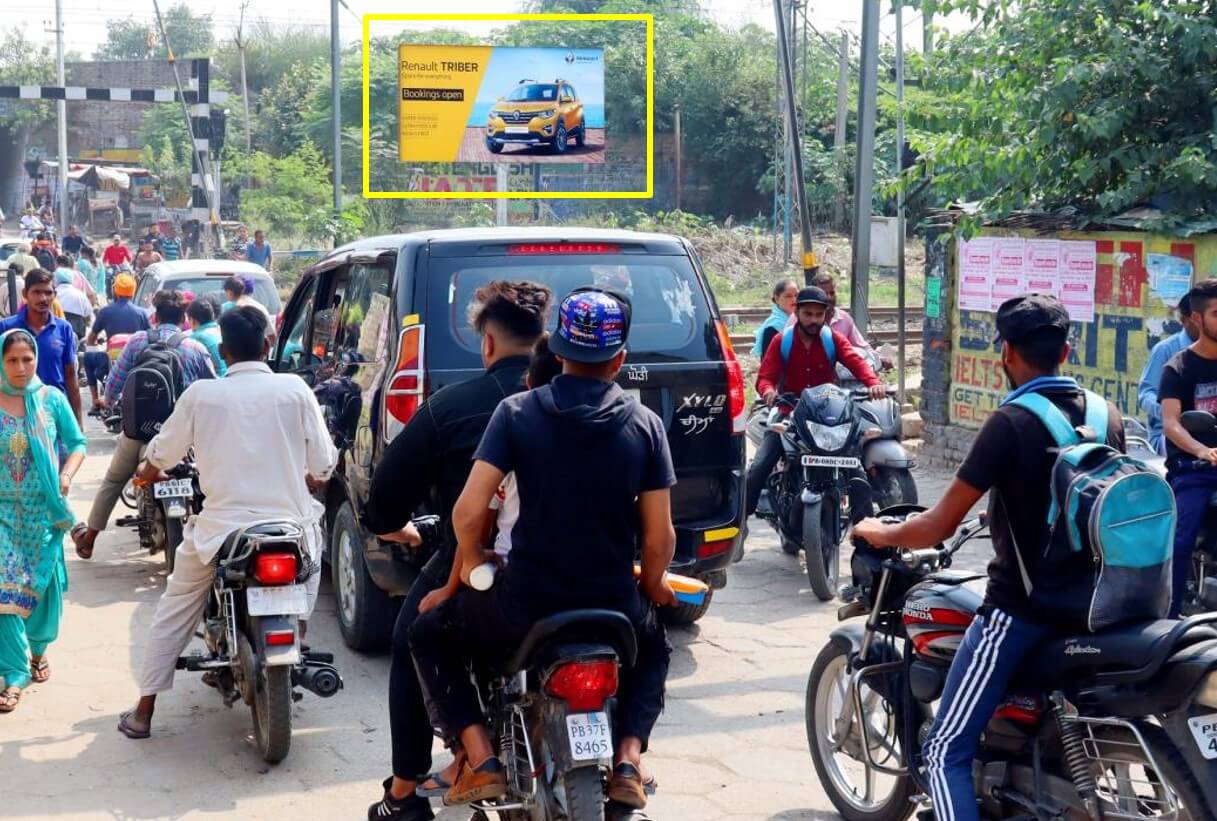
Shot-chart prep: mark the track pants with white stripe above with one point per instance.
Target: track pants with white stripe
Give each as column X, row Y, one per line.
column 992, row 649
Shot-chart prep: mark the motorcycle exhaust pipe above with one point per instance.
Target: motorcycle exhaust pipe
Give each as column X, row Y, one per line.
column 319, row 679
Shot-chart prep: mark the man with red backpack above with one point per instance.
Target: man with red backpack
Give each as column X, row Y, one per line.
column 152, row 371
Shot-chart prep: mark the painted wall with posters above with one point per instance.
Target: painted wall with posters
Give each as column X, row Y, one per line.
column 1138, row 280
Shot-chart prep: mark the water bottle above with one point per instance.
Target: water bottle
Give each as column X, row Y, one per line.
column 482, row 576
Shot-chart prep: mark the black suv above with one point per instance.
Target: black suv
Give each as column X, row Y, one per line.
column 380, row 324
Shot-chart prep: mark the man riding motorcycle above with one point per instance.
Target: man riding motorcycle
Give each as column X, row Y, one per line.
column 1151, row 377
column 196, row 364
column 431, row 458
column 1012, row 459
column 792, row 366
column 593, row 473
column 260, row 442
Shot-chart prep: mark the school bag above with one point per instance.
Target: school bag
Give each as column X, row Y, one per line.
column 830, row 347
column 1112, row 507
column 153, row 385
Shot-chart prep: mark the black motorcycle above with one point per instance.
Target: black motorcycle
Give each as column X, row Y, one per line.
column 1116, row 724
column 251, row 629
column 819, row 486
column 162, row 508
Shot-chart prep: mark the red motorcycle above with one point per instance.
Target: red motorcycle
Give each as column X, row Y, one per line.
column 1117, row 724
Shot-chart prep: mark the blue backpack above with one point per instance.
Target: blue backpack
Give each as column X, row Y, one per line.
column 830, row 347
column 1113, row 507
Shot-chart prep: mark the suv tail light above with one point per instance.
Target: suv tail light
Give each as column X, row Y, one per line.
column 584, row 685
column 737, row 401
column 548, row 248
column 408, row 387
column 275, row 568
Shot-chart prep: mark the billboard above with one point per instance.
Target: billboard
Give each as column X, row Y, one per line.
column 500, row 104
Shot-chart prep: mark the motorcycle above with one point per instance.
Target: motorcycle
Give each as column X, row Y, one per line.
column 818, row 486
column 162, row 507
column 251, row 629
column 888, row 466
column 1116, row 724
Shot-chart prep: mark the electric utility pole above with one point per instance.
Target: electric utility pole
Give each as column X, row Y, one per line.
column 810, row 266
column 61, row 108
column 336, row 104
column 864, row 174
column 241, row 43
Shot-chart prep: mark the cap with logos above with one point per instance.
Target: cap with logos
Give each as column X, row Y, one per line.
column 593, row 325
column 812, row 296
column 1022, row 317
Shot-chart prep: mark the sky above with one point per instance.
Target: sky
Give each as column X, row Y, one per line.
column 85, row 20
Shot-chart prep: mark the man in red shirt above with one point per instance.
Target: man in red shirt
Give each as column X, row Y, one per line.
column 116, row 253
column 808, row 365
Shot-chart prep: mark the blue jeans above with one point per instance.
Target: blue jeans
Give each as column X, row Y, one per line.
column 1193, row 489
column 992, row 650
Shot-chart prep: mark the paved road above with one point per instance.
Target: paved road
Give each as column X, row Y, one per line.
column 730, row 745
column 473, row 149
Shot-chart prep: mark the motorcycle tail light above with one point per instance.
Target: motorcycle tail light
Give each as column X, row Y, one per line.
column 280, row 638
column 407, row 388
column 737, row 402
column 584, row 685
column 275, row 568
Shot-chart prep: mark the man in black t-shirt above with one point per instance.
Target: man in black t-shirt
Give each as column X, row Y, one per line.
column 1029, row 587
column 1189, row 382
column 593, row 473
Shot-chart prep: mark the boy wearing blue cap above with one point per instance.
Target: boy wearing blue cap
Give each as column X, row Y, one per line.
column 594, row 475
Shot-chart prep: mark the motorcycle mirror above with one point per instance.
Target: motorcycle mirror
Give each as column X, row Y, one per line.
column 1198, row 423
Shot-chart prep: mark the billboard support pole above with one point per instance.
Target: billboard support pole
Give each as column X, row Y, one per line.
column 501, row 203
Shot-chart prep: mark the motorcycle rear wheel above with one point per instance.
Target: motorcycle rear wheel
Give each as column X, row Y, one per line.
column 824, row 702
column 272, row 713
column 1123, row 789
column 584, row 794
column 823, row 560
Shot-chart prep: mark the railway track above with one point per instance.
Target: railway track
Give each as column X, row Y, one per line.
column 884, row 316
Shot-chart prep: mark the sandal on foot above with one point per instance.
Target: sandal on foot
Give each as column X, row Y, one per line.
column 40, row 671
column 129, row 730
column 441, row 786
column 84, row 551
column 9, row 699
column 482, row 783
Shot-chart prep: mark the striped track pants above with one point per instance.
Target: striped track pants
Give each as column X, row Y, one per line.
column 992, row 649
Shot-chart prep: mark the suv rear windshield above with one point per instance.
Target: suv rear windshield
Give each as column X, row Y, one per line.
column 264, row 290
column 671, row 321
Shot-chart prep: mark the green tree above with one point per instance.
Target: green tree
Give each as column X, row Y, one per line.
column 1090, row 104
column 21, row 63
column 271, row 51
column 132, row 38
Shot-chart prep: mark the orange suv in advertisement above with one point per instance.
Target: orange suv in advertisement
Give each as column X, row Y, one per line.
column 549, row 114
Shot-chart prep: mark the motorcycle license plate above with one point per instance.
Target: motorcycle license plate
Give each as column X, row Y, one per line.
column 1204, row 730
column 517, row 129
column 288, row 600
column 173, row 488
column 810, row 461
column 590, row 736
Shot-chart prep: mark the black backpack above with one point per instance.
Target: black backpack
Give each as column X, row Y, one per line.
column 155, row 382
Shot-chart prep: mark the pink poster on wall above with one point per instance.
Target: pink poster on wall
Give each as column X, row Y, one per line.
column 975, row 272
column 1043, row 266
column 1078, row 267
column 1009, row 277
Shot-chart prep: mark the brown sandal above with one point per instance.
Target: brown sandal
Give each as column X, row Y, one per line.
column 84, row 551
column 40, row 671
column 9, row 699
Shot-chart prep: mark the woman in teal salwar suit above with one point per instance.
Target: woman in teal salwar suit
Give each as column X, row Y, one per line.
column 35, row 420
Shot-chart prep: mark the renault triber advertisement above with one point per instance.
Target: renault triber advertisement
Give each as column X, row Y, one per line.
column 501, row 104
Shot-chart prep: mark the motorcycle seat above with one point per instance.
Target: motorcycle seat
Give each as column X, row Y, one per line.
column 1120, row 655
column 582, row 626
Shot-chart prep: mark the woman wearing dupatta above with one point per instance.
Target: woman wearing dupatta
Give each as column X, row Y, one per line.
column 34, row 513
column 785, row 292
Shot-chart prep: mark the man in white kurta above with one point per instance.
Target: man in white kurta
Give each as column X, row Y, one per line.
column 256, row 436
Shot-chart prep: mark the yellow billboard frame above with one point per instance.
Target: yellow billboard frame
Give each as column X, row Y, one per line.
column 649, row 19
